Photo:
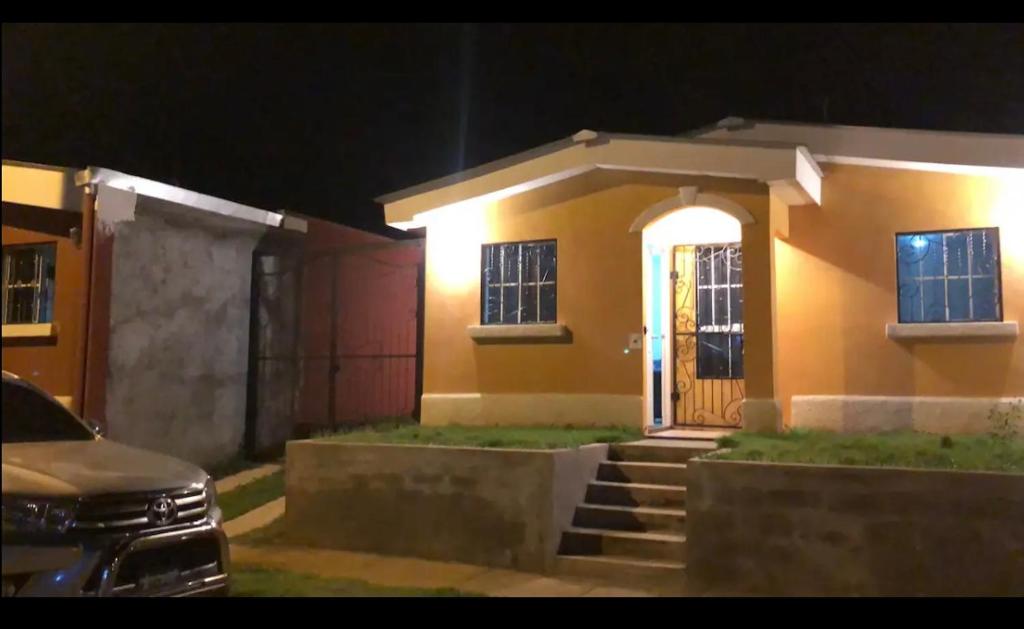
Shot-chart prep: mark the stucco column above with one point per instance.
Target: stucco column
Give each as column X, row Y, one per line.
column 762, row 412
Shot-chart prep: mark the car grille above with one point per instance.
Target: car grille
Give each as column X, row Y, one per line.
column 130, row 512
column 181, row 565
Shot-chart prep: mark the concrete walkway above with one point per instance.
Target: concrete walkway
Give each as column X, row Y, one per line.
column 237, row 480
column 410, row 572
column 255, row 519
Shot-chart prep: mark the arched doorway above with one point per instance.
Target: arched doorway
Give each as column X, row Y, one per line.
column 693, row 311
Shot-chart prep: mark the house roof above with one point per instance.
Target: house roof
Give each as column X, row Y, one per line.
column 787, row 167
column 917, row 149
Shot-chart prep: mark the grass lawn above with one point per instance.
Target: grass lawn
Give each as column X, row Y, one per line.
column 532, row 438
column 894, row 449
column 249, row 582
column 251, row 495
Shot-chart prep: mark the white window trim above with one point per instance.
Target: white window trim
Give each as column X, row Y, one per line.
column 29, row 330
column 961, row 329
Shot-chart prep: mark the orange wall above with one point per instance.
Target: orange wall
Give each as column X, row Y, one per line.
column 837, row 287
column 51, row 363
column 599, row 284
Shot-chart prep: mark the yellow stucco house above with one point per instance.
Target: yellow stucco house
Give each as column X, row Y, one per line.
column 749, row 274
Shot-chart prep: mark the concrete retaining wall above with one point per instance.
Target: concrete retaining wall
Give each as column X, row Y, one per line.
column 785, row 529
column 494, row 507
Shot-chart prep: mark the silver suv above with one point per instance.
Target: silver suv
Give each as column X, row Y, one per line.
column 85, row 516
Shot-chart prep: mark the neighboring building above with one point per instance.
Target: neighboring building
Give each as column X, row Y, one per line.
column 753, row 274
column 129, row 299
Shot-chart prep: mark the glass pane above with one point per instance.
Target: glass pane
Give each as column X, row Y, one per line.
column 910, row 302
column 934, row 300
column 959, row 300
column 719, row 272
column 735, row 262
column 956, row 253
column 23, row 262
column 548, row 311
column 531, row 271
column 721, row 306
column 529, row 306
column 510, row 263
column 737, row 355
column 492, row 311
column 548, row 263
column 712, row 356
column 704, row 307
column 908, row 254
column 490, row 264
column 983, row 252
column 510, row 304
column 20, row 305
column 703, row 266
column 736, row 304
column 985, row 299
column 930, row 247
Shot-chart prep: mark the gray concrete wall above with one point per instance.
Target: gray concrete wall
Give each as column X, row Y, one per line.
column 179, row 318
column 494, row 507
column 783, row 529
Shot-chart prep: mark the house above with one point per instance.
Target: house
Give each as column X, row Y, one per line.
column 749, row 274
column 137, row 305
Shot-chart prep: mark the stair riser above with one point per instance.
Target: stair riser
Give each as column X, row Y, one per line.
column 654, row 454
column 633, row 496
column 576, row 543
column 613, row 472
column 620, row 574
column 595, row 518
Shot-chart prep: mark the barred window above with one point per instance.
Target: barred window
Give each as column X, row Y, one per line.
column 948, row 276
column 28, row 282
column 518, row 283
column 720, row 312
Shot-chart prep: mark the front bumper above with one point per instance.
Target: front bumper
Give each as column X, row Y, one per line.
column 116, row 566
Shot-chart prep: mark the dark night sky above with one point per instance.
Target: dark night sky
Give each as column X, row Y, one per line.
column 320, row 119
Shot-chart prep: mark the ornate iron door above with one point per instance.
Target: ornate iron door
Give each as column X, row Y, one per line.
column 708, row 335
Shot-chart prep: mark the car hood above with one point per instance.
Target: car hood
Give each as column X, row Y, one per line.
column 88, row 468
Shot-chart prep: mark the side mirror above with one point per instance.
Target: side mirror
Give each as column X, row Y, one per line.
column 95, row 427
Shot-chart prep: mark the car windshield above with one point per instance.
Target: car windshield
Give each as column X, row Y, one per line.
column 29, row 416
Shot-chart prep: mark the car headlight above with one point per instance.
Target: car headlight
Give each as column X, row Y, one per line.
column 30, row 515
column 211, row 497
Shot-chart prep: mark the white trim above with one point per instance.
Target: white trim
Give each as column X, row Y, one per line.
column 956, row 169
column 970, row 329
column 524, row 331
column 532, row 409
column 689, row 197
column 29, row 330
column 872, row 413
column 172, row 194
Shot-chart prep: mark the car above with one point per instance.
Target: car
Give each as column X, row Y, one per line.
column 86, row 516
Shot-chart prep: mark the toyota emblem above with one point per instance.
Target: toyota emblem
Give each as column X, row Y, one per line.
column 162, row 511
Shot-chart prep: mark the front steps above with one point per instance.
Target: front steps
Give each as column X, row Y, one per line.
column 631, row 526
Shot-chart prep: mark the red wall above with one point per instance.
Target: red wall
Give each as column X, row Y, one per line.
column 375, row 324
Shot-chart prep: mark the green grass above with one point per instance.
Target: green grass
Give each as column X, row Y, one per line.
column 250, row 582
column 232, row 467
column 531, row 438
column 251, row 495
column 273, row 534
column 894, row 449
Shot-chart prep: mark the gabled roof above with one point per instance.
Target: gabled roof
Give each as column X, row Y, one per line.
column 787, row 167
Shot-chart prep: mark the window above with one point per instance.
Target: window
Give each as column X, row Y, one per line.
column 719, row 312
column 30, row 416
column 518, row 283
column 948, row 276
column 28, row 283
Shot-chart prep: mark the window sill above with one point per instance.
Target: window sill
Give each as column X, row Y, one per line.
column 29, row 330
column 524, row 333
column 977, row 329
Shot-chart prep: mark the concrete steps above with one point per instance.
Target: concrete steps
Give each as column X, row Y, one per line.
column 631, row 525
column 642, row 472
column 639, row 519
column 636, row 495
